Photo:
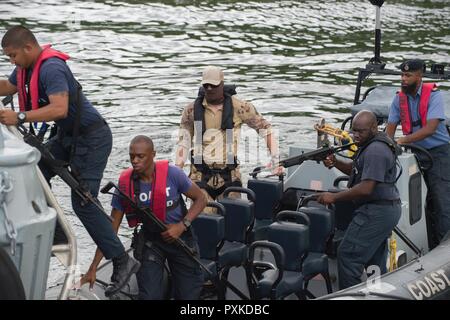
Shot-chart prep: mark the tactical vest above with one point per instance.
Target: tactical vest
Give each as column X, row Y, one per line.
column 405, row 114
column 357, row 168
column 226, row 123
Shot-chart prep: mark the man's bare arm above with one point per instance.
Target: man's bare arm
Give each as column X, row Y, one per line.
column 7, row 88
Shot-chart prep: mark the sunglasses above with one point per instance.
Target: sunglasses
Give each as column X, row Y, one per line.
column 206, row 85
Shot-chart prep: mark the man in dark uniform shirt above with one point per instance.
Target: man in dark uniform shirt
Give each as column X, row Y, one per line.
column 372, row 188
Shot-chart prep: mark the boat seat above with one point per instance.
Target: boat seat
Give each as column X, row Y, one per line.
column 292, row 197
column 239, row 220
column 233, row 253
column 291, row 231
column 264, row 276
column 288, row 243
column 210, row 232
column 322, row 225
column 268, row 194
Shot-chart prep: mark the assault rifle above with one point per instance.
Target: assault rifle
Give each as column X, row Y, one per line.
column 146, row 211
column 62, row 169
column 316, row 155
column 59, row 167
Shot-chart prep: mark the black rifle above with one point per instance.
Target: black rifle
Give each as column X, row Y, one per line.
column 162, row 227
column 316, row 155
column 61, row 169
column 8, row 100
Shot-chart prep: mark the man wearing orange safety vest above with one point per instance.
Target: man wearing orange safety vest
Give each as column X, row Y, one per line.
column 48, row 91
column 419, row 107
column 158, row 185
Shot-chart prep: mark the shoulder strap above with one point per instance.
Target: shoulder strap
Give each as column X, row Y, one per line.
column 227, row 115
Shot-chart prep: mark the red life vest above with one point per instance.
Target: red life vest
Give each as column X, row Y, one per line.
column 158, row 202
column 46, row 53
column 405, row 115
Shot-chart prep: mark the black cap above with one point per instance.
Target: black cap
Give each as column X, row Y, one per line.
column 413, row 65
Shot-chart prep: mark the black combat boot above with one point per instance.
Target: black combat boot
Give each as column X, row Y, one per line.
column 123, row 268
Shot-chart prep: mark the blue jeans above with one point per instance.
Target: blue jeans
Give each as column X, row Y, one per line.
column 90, row 158
column 187, row 277
column 437, row 179
column 364, row 242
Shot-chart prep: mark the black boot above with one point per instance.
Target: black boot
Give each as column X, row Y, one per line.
column 123, row 268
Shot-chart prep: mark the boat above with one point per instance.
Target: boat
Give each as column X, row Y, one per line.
column 256, row 229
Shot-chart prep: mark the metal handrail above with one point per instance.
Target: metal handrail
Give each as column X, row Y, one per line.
column 71, row 248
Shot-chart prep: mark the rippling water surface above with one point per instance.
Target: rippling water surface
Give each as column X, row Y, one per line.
column 140, row 62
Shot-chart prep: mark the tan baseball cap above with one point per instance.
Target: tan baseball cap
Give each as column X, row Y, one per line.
column 212, row 75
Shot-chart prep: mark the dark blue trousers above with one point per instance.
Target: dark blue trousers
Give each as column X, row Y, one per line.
column 186, row 275
column 364, row 242
column 90, row 159
column 438, row 183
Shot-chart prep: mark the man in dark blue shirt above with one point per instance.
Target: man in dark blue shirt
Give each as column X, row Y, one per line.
column 159, row 247
column 425, row 127
column 377, row 200
column 48, row 91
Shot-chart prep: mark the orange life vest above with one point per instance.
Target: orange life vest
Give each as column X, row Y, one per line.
column 405, row 114
column 46, row 53
column 158, row 192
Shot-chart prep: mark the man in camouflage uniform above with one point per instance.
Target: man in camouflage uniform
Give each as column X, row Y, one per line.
column 214, row 120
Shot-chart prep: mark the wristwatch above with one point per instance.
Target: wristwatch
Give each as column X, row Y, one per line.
column 21, row 116
column 187, row 223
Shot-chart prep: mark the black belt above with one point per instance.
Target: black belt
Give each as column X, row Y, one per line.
column 88, row 129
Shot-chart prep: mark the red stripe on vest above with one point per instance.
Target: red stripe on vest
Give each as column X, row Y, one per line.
column 159, row 192
column 159, row 196
column 46, row 53
column 405, row 115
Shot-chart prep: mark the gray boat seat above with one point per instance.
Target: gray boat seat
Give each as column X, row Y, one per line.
column 292, row 198
column 321, row 232
column 264, row 276
column 268, row 195
column 378, row 99
column 290, row 230
column 232, row 254
column 239, row 220
column 210, row 232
